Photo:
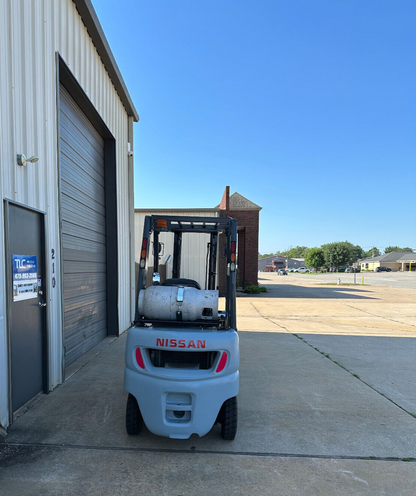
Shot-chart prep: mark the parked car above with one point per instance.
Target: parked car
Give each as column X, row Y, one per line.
column 383, row 269
column 281, row 272
column 341, row 269
column 302, row 270
column 292, row 269
column 351, row 269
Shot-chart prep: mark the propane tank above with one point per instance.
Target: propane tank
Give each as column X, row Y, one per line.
column 178, row 303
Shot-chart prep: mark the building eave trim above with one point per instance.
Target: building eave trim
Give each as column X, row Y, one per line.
column 167, row 210
column 246, row 209
column 91, row 22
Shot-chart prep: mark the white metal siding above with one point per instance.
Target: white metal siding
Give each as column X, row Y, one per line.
column 31, row 33
column 194, row 246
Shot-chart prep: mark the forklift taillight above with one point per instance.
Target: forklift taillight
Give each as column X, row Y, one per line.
column 139, row 358
column 144, row 247
column 232, row 256
column 222, row 362
column 143, row 254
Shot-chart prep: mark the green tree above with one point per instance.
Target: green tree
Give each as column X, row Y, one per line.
column 266, row 255
column 357, row 253
column 338, row 254
column 373, row 252
column 295, row 252
column 389, row 249
column 315, row 258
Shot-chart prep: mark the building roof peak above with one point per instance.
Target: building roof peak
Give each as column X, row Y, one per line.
column 236, row 202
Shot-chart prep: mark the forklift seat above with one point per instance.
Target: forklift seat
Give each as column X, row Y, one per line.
column 179, row 281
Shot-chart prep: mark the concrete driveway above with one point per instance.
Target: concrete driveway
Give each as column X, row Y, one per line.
column 327, row 406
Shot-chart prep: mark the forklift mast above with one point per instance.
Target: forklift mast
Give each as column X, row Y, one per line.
column 154, row 224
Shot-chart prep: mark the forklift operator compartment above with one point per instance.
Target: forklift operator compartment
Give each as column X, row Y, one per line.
column 182, row 355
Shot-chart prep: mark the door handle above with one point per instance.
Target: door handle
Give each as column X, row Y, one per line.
column 40, row 305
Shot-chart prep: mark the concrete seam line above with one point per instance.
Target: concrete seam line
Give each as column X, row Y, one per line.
column 278, row 325
column 269, row 319
column 256, row 309
column 326, row 355
column 374, row 315
column 91, row 358
column 210, row 452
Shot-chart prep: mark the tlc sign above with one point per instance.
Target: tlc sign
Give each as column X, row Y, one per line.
column 25, row 264
column 20, row 264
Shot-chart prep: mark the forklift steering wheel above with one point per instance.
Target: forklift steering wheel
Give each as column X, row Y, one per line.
column 181, row 282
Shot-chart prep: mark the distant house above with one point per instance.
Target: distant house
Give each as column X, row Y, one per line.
column 407, row 261
column 271, row 264
column 396, row 261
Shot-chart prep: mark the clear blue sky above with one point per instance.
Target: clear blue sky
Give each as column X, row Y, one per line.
column 307, row 108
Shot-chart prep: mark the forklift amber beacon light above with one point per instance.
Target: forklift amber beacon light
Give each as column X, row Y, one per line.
column 162, row 225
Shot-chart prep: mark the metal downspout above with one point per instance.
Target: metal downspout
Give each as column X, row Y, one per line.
column 130, row 165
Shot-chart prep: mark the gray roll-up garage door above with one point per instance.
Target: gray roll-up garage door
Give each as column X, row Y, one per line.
column 83, row 230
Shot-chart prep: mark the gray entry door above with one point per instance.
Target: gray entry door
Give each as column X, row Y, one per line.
column 26, row 291
column 83, row 232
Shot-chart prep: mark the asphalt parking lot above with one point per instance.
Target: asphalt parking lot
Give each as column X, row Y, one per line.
column 391, row 279
column 327, row 406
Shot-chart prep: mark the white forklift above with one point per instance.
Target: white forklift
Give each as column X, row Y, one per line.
column 182, row 355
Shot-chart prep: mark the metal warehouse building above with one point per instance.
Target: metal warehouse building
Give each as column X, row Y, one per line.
column 280, row 262
column 66, row 180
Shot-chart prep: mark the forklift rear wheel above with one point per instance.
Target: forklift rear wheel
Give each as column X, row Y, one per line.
column 134, row 419
column 229, row 419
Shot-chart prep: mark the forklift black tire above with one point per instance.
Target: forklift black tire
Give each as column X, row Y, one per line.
column 229, row 419
column 134, row 419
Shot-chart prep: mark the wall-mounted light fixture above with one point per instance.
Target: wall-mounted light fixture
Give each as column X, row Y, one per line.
column 129, row 150
column 22, row 160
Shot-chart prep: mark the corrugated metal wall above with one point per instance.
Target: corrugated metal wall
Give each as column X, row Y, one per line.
column 83, row 215
column 194, row 246
column 31, row 33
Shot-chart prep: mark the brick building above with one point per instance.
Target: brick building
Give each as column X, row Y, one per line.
column 247, row 214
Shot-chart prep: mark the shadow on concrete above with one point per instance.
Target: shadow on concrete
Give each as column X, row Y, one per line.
column 325, row 292
column 308, row 405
